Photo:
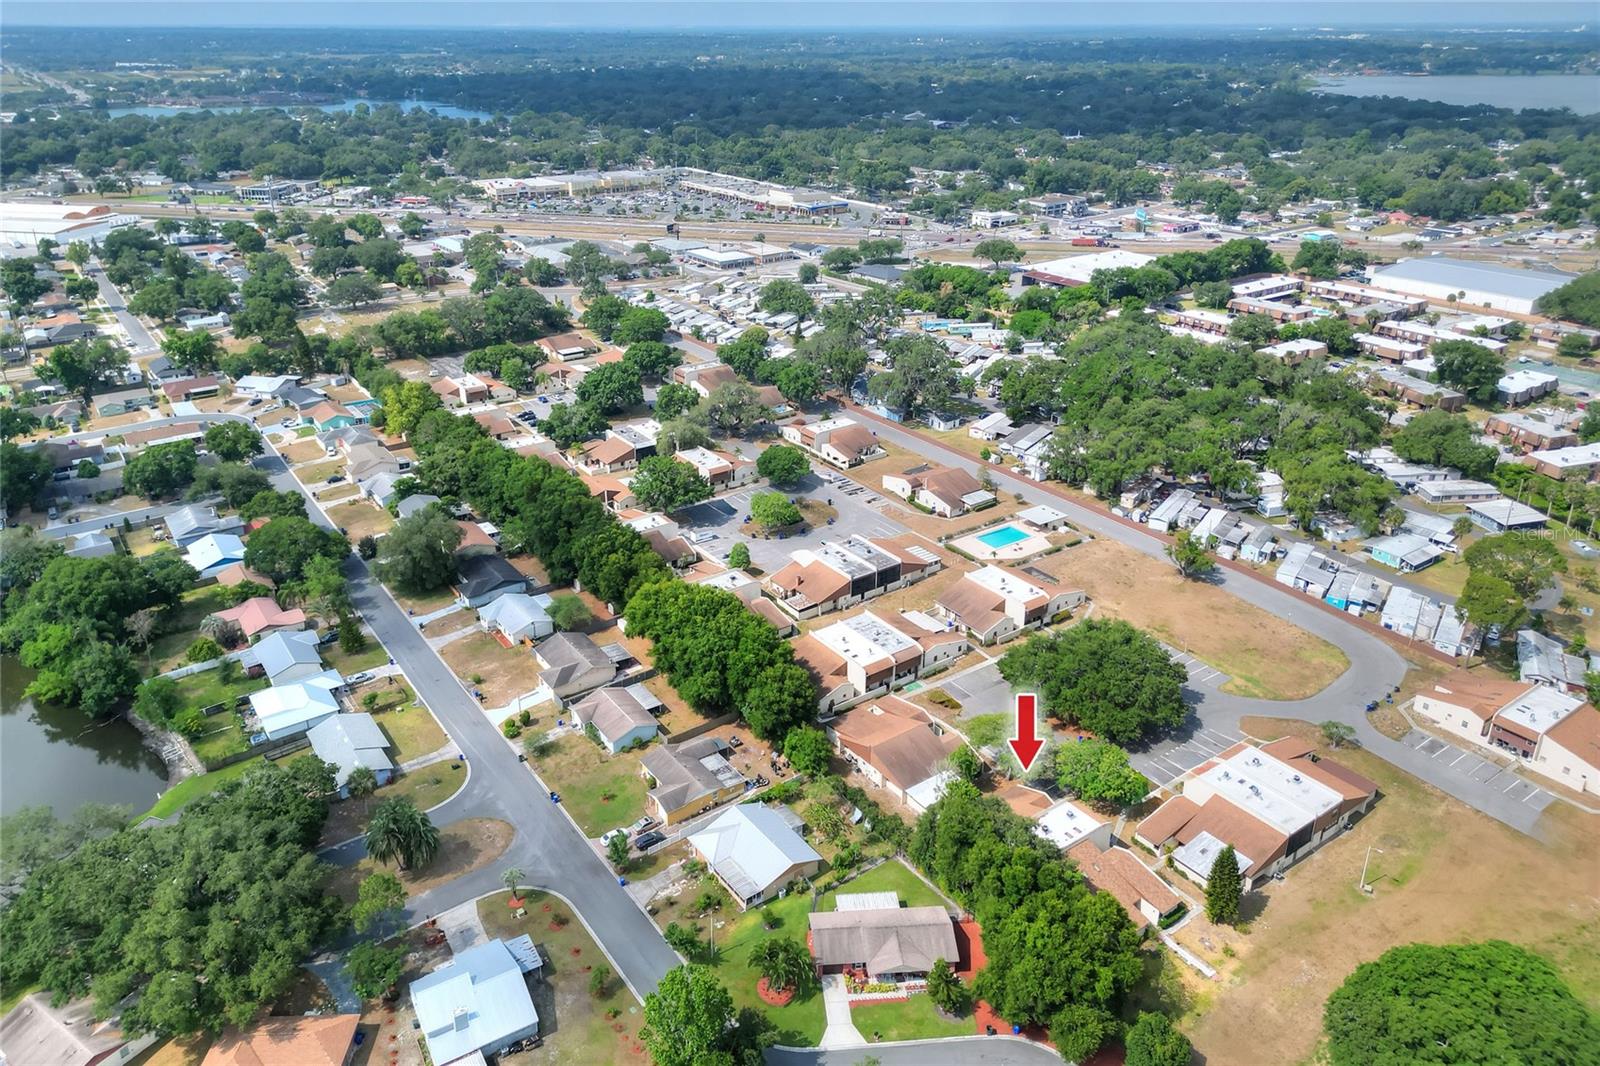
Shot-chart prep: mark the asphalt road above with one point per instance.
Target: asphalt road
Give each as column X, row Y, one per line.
column 964, row 1051
column 1375, row 667
column 139, row 337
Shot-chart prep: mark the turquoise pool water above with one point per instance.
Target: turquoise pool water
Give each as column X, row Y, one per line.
column 999, row 538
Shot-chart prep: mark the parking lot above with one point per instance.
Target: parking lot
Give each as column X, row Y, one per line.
column 1473, row 767
column 721, row 518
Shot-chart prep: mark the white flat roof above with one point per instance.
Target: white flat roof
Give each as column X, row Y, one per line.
column 1066, row 823
column 1270, row 789
column 864, row 638
column 1081, row 267
column 1540, row 708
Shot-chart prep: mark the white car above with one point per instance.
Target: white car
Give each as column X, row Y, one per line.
column 606, row 838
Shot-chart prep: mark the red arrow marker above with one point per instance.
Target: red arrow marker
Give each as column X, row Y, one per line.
column 1025, row 744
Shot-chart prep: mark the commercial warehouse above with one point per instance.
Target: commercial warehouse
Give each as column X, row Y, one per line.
column 1476, row 284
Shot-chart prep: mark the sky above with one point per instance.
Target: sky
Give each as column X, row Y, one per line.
column 721, row 15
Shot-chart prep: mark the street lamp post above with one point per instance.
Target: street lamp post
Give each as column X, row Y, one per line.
column 1363, row 883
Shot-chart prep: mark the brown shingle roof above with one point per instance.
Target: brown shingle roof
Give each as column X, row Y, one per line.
column 888, row 940
column 306, row 1041
column 1167, row 820
column 1478, row 691
column 852, row 440
column 1234, row 825
column 896, row 738
column 1579, row 733
column 1120, row 873
column 819, row 583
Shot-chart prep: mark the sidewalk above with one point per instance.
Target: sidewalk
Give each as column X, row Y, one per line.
column 841, row 1032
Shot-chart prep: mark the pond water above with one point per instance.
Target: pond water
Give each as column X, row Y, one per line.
column 1581, row 92
column 444, row 110
column 59, row 757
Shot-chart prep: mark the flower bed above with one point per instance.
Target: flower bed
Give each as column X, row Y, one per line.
column 779, row 998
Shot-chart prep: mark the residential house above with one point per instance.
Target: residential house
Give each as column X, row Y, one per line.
column 841, row 442
column 1524, row 386
column 1456, row 491
column 307, row 1040
column 483, row 578
column 1551, row 732
column 1415, row 390
column 349, row 741
column 945, row 490
column 1505, row 516
column 621, row 716
column 1146, row 898
column 839, row 574
column 754, row 853
column 608, row 455
column 1295, row 352
column 515, row 617
column 881, row 938
column 1043, row 517
column 368, row 459
column 565, row 347
column 866, row 655
column 328, row 415
column 990, row 427
column 381, row 488
column 37, row 1031
column 1405, row 552
column 191, row 388
column 475, row 540
column 161, row 370
column 91, row 545
column 1579, row 460
column 1529, row 432
column 111, row 404
column 1274, row 805
column 1544, row 660
column 477, row 1004
column 214, row 553
column 674, row 549
column 995, row 605
column 288, row 710
column 460, row 391
column 500, row 424
column 570, row 664
column 261, row 386
column 415, row 502
column 688, row 778
column 897, row 745
column 261, row 615
column 703, row 377
column 722, row 469
column 288, row 656
column 239, row 573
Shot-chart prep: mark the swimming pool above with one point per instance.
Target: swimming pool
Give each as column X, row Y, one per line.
column 1003, row 536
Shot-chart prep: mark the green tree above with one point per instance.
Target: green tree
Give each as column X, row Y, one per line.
column 1152, row 1040
column 1213, row 294
column 662, row 483
column 405, row 404
column 1224, row 888
column 353, row 290
column 1190, row 554
column 84, row 366
column 1103, row 675
column 15, row 422
column 1527, row 562
column 800, row 380
column 966, row 764
column 1442, row 439
column 733, row 409
column 196, row 350
column 809, row 750
column 418, row 555
column 87, row 468
column 1472, row 368
column 23, row 474
column 161, row 470
column 783, row 961
column 361, row 783
column 401, row 833
column 374, row 969
column 1099, row 772
column 603, row 313
column 158, row 701
column 683, row 940
column 1577, row 301
column 283, row 547
column 785, row 297
column 689, row 1019
column 997, row 250
column 1257, row 331
column 783, row 464
column 569, row 613
column 651, row 359
column 739, row 557
column 925, row 377
column 617, row 848
column 379, row 900
column 569, row 423
column 673, row 399
column 1449, row 1004
column 233, row 442
column 640, row 325
column 1337, row 734
column 772, row 510
column 1078, row 1030
column 1488, row 601
column 946, row 989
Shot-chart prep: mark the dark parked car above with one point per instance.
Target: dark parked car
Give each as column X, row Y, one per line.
column 646, row 841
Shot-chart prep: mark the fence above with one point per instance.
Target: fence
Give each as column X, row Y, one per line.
column 704, row 727
column 271, row 750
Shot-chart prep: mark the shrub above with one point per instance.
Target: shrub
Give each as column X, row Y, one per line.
column 511, row 728
column 204, row 649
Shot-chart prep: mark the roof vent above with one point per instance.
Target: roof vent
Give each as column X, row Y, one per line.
column 459, row 1019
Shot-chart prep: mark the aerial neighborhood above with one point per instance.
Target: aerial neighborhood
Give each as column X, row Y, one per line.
column 507, row 558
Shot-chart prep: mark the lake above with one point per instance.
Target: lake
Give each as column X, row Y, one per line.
column 59, row 757
column 1581, row 92
column 444, row 110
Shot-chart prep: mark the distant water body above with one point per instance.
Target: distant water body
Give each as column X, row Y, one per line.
column 444, row 110
column 1581, row 92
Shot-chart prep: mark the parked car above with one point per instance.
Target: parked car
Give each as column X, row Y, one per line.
column 358, row 679
column 649, row 840
column 641, row 825
column 334, row 479
column 607, row 837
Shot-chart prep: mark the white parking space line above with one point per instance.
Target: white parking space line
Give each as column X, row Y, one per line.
column 1458, row 758
column 1442, row 749
column 1533, row 794
column 1514, row 784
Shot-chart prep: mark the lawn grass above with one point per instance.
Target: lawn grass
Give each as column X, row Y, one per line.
column 347, row 663
column 192, row 788
column 14, row 996
column 427, row 786
column 207, row 688
column 224, row 736
column 181, row 626
column 360, row 518
column 908, row 1019
column 585, row 774
column 801, row 1022
column 410, row 726
column 581, row 1031
column 464, row 846
column 892, row 876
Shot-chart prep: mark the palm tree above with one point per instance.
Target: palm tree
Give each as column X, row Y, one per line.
column 511, row 878
column 400, row 832
column 782, row 961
